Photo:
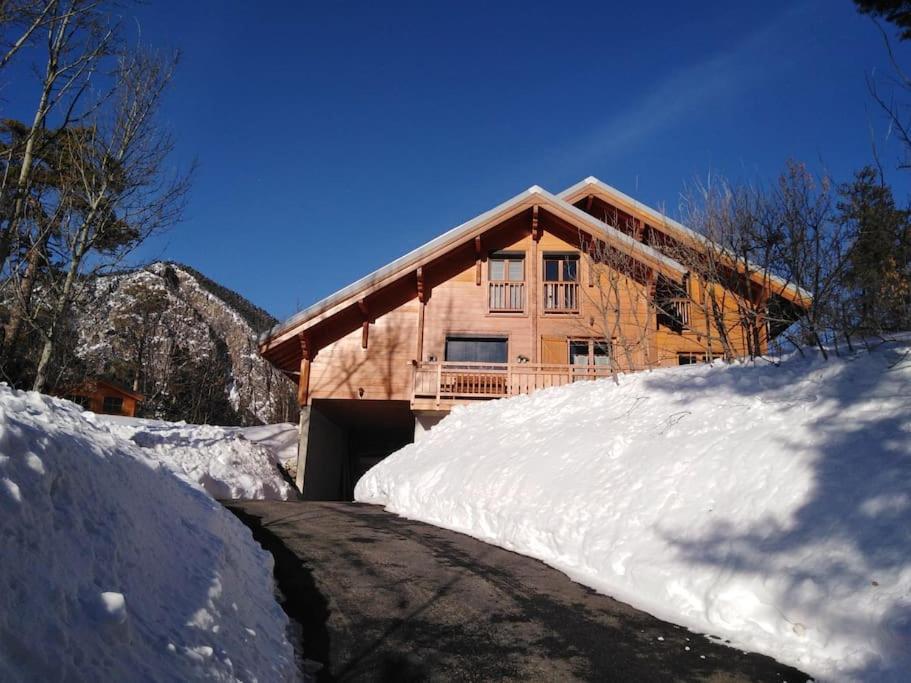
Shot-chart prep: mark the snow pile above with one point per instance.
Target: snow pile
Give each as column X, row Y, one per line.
column 769, row 505
column 228, row 462
column 114, row 569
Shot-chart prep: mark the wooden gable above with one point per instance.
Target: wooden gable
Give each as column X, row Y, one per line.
column 415, row 275
column 628, row 215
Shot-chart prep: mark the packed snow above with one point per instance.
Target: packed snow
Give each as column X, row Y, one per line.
column 228, row 462
column 115, row 569
column 767, row 504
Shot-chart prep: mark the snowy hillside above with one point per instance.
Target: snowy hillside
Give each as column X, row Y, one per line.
column 228, row 462
column 769, row 505
column 114, row 569
column 176, row 328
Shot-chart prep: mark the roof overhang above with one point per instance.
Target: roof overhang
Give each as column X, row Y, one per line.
column 682, row 233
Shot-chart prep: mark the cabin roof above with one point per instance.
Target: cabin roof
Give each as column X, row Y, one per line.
column 673, row 228
column 458, row 234
column 91, row 385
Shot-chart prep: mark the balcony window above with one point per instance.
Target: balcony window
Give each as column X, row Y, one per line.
column 672, row 305
column 506, row 289
column 587, row 352
column 561, row 283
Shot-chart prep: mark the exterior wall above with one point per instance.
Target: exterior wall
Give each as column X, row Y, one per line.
column 459, row 306
column 322, row 453
column 381, row 371
column 94, row 400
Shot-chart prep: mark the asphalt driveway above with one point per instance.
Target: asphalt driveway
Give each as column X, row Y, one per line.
column 380, row 598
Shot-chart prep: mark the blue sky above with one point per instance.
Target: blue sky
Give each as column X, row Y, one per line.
column 333, row 137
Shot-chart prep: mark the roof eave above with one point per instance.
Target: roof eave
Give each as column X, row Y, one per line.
column 791, row 291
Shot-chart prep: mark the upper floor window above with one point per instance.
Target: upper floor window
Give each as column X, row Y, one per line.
column 672, row 304
column 507, row 267
column 506, row 291
column 561, row 268
column 561, row 283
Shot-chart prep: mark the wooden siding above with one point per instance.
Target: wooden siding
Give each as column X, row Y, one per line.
column 379, row 363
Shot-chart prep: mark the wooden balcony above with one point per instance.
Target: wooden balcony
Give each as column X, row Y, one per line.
column 506, row 297
column 443, row 384
column 674, row 313
column 561, row 297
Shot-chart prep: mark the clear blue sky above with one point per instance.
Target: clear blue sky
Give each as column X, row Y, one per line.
column 333, row 137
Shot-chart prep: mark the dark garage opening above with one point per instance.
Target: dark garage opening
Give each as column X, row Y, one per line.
column 348, row 437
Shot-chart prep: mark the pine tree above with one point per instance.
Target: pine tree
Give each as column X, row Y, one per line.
column 878, row 281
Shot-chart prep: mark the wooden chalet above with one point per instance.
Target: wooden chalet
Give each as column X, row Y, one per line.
column 510, row 302
column 102, row 396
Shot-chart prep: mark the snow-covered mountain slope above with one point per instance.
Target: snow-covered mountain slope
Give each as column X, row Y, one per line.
column 113, row 569
column 767, row 504
column 192, row 342
column 228, row 462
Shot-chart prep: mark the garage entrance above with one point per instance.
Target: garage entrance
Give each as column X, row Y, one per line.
column 344, row 439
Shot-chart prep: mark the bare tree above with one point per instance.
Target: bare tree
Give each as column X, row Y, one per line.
column 117, row 191
column 77, row 38
column 20, row 22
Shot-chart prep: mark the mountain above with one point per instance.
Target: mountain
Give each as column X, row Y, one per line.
column 187, row 343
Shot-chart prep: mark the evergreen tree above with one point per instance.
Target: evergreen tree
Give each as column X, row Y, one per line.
column 878, row 280
column 896, row 12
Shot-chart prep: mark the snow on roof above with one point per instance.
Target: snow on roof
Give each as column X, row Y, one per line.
column 412, row 258
column 663, row 220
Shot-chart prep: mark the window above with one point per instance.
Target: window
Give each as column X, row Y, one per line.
column 477, row 349
column 561, row 288
column 589, row 352
column 506, row 268
column 112, row 405
column 506, row 290
column 687, row 358
column 561, row 268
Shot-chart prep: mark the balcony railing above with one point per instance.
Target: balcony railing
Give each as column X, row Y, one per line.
column 450, row 380
column 561, row 297
column 506, row 297
column 674, row 313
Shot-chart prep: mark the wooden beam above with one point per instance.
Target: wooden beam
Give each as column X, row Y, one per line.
column 588, row 203
column 303, row 381
column 477, row 251
column 365, row 326
column 535, row 225
column 422, row 302
column 422, row 292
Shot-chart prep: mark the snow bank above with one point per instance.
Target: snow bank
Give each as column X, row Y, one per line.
column 114, row 569
column 769, row 505
column 229, row 462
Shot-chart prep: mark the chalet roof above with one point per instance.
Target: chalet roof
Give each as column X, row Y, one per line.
column 459, row 234
column 670, row 226
column 90, row 385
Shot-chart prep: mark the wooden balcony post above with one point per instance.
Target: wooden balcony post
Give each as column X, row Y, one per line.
column 439, row 381
column 303, row 382
column 477, row 251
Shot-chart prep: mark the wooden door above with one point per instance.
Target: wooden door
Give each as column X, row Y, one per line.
column 554, row 351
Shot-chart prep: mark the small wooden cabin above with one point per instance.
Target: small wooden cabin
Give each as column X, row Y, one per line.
column 102, row 396
column 540, row 291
